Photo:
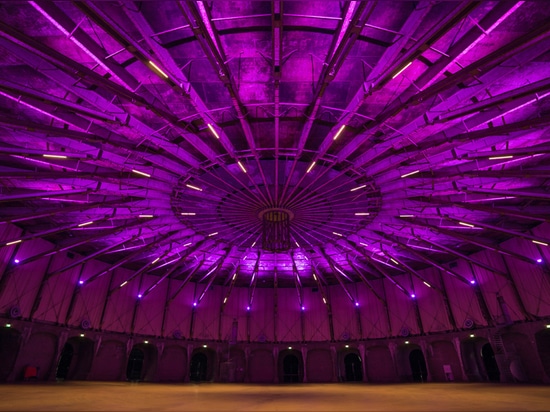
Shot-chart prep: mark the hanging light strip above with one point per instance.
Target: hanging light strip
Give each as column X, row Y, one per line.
column 213, row 131
column 158, row 69
column 141, row 173
column 340, row 130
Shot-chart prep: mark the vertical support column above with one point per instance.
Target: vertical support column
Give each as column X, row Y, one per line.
column 481, row 301
column 246, row 364
column 276, row 361
column 187, row 377
column 426, row 351
column 303, row 349
column 63, row 336
column 393, row 349
column 458, row 349
column 334, row 357
column 129, row 346
column 362, row 353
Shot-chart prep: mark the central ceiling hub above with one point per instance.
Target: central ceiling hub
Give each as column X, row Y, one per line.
column 275, row 230
column 306, row 209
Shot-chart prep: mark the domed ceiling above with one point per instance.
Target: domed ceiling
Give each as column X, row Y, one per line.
column 336, row 141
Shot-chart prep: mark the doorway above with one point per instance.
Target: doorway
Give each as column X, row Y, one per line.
column 135, row 364
column 10, row 342
column 490, row 363
column 353, row 367
column 418, row 366
column 64, row 362
column 199, row 367
column 291, row 369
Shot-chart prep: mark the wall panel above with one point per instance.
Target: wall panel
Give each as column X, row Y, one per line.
column 9, row 232
column 90, row 299
column 374, row 315
column 151, row 307
column 344, row 314
column 207, row 315
column 22, row 284
column 289, row 327
column 401, row 307
column 261, row 366
column 379, row 365
column 120, row 307
column 532, row 283
column 178, row 315
column 430, row 302
column 316, row 325
column 261, row 315
column 462, row 297
column 493, row 286
column 319, row 365
column 235, row 309
column 58, row 289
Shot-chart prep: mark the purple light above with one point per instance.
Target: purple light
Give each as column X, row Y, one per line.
column 303, row 308
column 194, row 303
column 16, row 260
column 473, row 282
column 80, row 282
column 356, row 303
column 539, row 260
column 139, row 296
column 413, row 295
column 248, row 308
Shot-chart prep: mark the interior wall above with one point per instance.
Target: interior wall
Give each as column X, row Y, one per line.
column 319, row 366
column 173, row 364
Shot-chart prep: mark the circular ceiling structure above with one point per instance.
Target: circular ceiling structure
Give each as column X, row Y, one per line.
column 339, row 142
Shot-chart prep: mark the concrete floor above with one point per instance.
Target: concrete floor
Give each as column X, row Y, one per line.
column 121, row 396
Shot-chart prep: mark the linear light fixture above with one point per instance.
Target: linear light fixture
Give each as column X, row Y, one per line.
column 86, row 223
column 241, row 166
column 362, row 214
column 187, row 244
column 297, row 244
column 13, row 242
column 213, row 234
column 158, row 69
column 406, row 215
column 253, row 244
column 501, row 157
column 337, row 234
column 141, row 173
column 193, row 187
column 213, row 131
column 411, row 173
column 234, row 276
column 123, row 283
column 427, row 284
column 394, row 261
column 54, row 156
column 340, row 130
column 149, row 216
column 310, row 167
column 314, row 277
column 402, row 70
column 188, row 213
column 465, row 224
column 324, row 301
column 155, row 261
column 539, row 243
column 363, row 244
column 357, row 188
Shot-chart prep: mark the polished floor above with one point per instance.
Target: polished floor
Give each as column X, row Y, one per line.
column 121, row 396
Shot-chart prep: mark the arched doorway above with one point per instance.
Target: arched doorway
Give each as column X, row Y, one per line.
column 490, row 363
column 64, row 362
column 199, row 367
column 10, row 341
column 353, row 367
column 291, row 368
column 542, row 339
column 418, row 366
column 135, row 364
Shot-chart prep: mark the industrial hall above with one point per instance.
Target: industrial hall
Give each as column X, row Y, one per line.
column 274, row 205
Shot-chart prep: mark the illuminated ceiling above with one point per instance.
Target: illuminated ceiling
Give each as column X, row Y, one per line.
column 155, row 135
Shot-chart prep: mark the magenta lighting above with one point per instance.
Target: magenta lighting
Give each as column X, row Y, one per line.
column 140, row 296
column 539, row 260
column 16, row 260
column 303, row 308
column 356, row 303
column 248, row 308
column 413, row 295
column 80, row 282
column 473, row 282
column 194, row 303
